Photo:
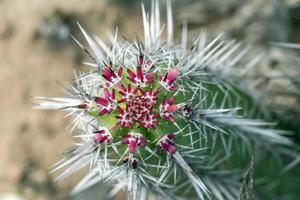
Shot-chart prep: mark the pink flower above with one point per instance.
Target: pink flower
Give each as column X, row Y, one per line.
column 125, row 118
column 139, row 78
column 150, row 95
column 108, row 104
column 167, row 109
column 166, row 143
column 127, row 93
column 102, row 136
column 138, row 107
column 111, row 77
column 133, row 141
column 150, row 121
column 168, row 80
column 145, row 64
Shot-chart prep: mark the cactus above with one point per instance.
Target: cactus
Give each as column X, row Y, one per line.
column 162, row 120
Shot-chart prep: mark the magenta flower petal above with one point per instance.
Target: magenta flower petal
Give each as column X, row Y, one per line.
column 166, row 143
column 102, row 136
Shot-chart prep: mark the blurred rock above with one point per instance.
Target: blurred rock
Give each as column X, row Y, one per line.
column 128, row 3
column 6, row 30
column 35, row 181
column 281, row 85
column 57, row 28
column 294, row 9
column 255, row 21
column 206, row 11
column 292, row 3
column 10, row 196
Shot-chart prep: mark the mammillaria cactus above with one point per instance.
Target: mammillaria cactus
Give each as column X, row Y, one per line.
column 160, row 119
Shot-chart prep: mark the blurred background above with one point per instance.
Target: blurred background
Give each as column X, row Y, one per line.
column 36, row 51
